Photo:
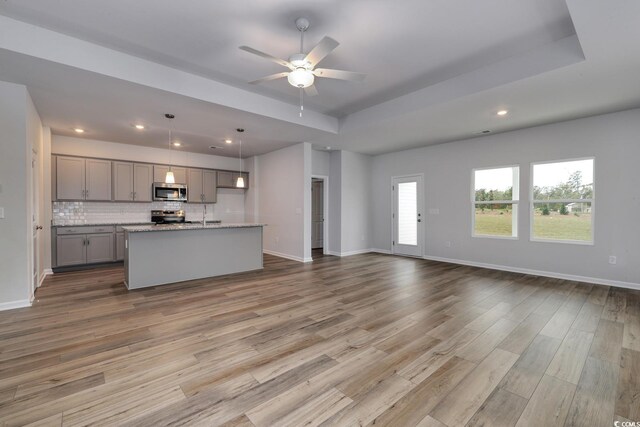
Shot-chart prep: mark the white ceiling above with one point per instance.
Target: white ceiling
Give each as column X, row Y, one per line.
column 437, row 70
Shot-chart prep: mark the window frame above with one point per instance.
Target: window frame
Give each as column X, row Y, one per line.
column 494, row 202
column 533, row 202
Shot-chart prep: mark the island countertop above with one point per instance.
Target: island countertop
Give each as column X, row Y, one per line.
column 195, row 226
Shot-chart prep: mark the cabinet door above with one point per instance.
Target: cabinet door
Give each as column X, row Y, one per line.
column 209, row 187
column 70, row 249
column 70, row 178
column 122, row 181
column 179, row 173
column 142, row 181
column 98, row 179
column 225, row 179
column 99, row 247
column 119, row 246
column 194, row 187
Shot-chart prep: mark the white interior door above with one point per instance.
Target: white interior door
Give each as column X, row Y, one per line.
column 407, row 215
column 317, row 214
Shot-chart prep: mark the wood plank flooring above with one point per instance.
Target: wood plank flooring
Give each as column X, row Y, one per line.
column 364, row 340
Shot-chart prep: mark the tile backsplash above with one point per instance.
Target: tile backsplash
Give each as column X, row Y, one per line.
column 230, row 208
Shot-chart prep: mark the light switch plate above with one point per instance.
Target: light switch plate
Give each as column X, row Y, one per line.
column 1, row 213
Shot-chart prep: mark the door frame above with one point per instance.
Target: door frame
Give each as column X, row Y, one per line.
column 421, row 238
column 325, row 213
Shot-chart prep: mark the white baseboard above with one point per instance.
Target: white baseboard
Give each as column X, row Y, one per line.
column 46, row 272
column 287, row 256
column 381, row 251
column 15, row 304
column 593, row 280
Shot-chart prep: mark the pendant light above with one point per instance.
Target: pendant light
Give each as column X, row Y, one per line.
column 169, row 178
column 240, row 180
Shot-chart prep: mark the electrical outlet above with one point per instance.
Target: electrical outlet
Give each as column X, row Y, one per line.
column 434, row 211
column 277, row 239
column 613, row 259
column 447, row 244
column 1, row 213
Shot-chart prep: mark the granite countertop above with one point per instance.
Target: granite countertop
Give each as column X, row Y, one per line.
column 177, row 227
column 89, row 224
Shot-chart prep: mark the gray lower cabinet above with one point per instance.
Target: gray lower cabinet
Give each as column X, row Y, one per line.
column 84, row 245
column 119, row 246
column 99, row 248
column 71, row 250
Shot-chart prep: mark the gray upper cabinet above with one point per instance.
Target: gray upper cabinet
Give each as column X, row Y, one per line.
column 98, row 179
column 228, row 179
column 70, row 178
column 202, row 186
column 195, row 186
column 160, row 171
column 142, row 182
column 209, row 186
column 122, row 181
column 82, row 179
column 132, row 182
column 225, row 179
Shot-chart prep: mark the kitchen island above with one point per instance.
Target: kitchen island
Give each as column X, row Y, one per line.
column 163, row 254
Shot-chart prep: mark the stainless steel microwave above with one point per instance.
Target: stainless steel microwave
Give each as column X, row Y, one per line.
column 169, row 192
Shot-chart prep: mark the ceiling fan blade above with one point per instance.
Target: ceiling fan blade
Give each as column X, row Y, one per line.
column 339, row 74
column 269, row 78
column 321, row 50
column 311, row 90
column 267, row 56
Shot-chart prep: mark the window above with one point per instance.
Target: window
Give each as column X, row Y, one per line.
column 494, row 197
column 408, row 213
column 562, row 201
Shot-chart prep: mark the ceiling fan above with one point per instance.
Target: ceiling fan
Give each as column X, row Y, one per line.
column 302, row 67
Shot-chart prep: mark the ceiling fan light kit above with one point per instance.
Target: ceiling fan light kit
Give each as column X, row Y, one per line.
column 302, row 72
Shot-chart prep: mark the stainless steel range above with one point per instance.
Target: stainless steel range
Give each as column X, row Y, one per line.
column 174, row 217
column 168, row 217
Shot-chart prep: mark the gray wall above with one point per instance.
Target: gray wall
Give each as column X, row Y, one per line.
column 320, row 162
column 612, row 139
column 281, row 199
column 356, row 202
column 14, row 193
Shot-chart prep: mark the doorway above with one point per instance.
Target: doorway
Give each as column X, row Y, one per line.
column 408, row 235
column 35, row 211
column 319, row 215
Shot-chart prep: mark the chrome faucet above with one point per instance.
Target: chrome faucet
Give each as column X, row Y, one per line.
column 204, row 215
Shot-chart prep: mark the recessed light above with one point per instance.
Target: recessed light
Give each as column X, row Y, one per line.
column 228, row 141
column 502, row 112
column 177, row 144
column 139, row 127
column 78, row 130
column 328, row 148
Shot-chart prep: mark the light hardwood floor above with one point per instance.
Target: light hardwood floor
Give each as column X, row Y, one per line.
column 363, row 340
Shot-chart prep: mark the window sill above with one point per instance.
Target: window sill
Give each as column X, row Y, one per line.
column 483, row 236
column 569, row 242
